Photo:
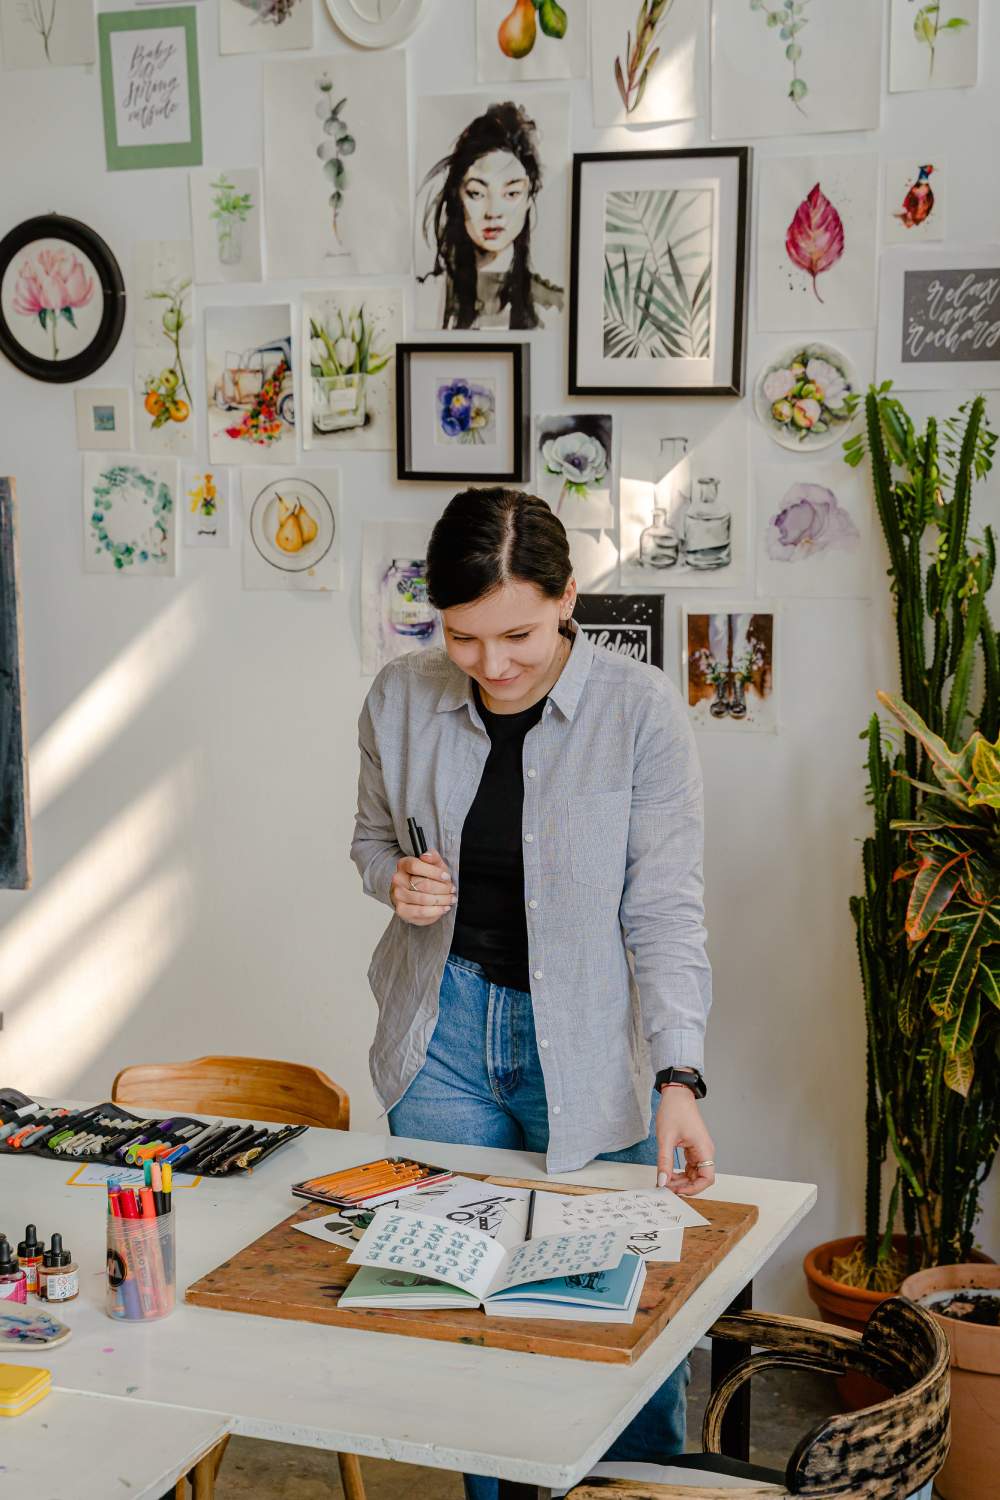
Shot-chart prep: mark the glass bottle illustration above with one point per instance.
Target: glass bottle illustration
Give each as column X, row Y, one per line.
column 708, row 529
column 658, row 544
column 407, row 609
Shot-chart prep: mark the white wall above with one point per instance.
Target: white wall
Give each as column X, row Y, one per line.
column 193, row 745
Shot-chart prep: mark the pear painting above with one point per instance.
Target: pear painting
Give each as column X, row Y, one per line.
column 296, row 528
column 519, row 30
column 517, row 40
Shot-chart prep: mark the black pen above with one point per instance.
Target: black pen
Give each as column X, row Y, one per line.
column 417, row 841
column 531, row 1214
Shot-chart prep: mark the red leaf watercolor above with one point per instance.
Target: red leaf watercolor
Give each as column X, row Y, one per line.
column 815, row 239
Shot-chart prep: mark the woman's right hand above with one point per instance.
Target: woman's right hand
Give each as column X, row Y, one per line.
column 422, row 889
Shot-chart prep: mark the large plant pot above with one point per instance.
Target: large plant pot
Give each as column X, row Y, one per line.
column 847, row 1307
column 972, row 1470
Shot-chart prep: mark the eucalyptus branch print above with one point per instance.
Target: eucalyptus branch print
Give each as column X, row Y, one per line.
column 928, row 27
column 632, row 76
column 339, row 143
column 788, row 19
column 35, row 14
column 658, row 274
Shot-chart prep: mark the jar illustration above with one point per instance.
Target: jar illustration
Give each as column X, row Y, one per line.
column 339, row 402
column 229, row 231
column 708, row 529
column 658, row 544
column 408, row 610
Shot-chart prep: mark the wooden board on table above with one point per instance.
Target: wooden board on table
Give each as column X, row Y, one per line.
column 286, row 1274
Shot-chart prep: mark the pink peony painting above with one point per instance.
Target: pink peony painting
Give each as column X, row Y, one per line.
column 51, row 285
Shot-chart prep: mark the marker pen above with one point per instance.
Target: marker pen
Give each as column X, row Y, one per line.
column 18, row 1119
column 417, row 841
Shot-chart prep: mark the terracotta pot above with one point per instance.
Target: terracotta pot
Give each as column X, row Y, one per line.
column 847, row 1307
column 973, row 1465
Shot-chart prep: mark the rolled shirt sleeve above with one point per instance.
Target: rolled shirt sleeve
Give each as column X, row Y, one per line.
column 375, row 849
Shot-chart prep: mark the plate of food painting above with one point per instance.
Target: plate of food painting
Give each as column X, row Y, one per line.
column 802, row 398
column 728, row 661
column 292, row 524
column 489, row 244
column 62, row 299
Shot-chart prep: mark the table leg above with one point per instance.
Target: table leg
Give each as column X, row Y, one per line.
column 725, row 1354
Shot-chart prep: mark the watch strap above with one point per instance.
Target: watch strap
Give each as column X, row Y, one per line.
column 689, row 1077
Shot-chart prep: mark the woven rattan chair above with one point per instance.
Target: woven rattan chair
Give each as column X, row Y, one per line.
column 885, row 1452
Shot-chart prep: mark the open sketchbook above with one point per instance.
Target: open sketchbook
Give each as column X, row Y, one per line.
column 462, row 1266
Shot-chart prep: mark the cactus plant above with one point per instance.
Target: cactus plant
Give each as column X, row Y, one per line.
column 933, row 1104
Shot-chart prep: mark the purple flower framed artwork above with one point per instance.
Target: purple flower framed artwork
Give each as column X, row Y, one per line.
column 814, row 525
column 62, row 299
column 462, row 412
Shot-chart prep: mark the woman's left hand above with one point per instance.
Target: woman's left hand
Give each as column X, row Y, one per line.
column 679, row 1124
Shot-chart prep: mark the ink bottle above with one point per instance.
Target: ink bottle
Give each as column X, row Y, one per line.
column 29, row 1257
column 13, row 1282
column 58, row 1277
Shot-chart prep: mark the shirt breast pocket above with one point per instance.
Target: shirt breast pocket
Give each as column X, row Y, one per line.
column 598, row 838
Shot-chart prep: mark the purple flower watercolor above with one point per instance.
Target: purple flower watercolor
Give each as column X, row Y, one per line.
column 810, row 521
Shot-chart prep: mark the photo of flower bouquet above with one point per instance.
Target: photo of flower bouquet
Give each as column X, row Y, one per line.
column 803, row 398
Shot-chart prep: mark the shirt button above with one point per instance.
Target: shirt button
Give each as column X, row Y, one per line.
column 556, row 1110
column 533, row 905
column 537, row 974
column 548, row 708
column 529, row 838
column 532, row 773
column 543, row 1043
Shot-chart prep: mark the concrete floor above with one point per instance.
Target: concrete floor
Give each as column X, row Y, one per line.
column 785, row 1407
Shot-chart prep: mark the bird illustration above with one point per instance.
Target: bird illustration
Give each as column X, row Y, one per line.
column 919, row 200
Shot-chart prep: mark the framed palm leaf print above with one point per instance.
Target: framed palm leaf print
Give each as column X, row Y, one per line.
column 660, row 260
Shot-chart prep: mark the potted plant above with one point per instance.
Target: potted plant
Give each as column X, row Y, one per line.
column 343, row 353
column 953, row 923
column 933, row 1110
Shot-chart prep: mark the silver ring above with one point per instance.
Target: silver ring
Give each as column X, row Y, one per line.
column 708, row 1162
column 412, row 886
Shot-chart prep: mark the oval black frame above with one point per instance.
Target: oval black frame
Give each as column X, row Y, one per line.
column 101, row 346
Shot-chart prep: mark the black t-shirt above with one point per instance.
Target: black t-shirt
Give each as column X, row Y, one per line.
column 490, row 925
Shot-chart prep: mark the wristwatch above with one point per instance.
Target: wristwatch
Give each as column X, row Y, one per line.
column 690, row 1077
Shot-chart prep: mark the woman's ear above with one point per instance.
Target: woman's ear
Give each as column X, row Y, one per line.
column 568, row 600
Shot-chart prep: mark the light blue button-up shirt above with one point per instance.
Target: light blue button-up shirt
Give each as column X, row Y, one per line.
column 612, row 834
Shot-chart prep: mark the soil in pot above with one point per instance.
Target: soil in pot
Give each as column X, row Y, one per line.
column 966, row 1302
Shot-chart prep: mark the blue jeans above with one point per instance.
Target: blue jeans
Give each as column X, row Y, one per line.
column 482, row 1085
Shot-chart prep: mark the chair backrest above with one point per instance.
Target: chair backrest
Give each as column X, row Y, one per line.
column 887, row 1451
column 249, row 1088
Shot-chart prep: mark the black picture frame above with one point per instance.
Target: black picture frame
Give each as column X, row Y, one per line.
column 627, row 624
column 519, row 354
column 736, row 383
column 101, row 346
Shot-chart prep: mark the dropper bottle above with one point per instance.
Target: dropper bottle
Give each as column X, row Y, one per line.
column 13, row 1282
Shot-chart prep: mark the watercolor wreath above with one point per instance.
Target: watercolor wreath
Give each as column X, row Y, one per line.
column 156, row 495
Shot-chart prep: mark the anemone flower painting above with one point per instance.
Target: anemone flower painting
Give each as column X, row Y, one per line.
column 573, row 469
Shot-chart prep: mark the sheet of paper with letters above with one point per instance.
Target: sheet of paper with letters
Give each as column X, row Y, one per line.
column 562, row 1255
column 662, row 1210
column 465, row 1258
column 500, row 1212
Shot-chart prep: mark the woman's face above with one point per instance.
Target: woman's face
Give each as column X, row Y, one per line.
column 507, row 642
column 496, row 196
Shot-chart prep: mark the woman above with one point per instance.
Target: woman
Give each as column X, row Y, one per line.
column 558, row 782
column 481, row 226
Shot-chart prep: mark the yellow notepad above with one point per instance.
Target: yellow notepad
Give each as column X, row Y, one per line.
column 22, row 1386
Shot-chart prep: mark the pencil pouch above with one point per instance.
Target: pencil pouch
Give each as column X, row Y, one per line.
column 141, row 1268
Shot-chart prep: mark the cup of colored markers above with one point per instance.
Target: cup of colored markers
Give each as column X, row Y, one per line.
column 141, row 1250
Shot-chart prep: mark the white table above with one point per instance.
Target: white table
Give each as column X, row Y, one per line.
column 531, row 1420
column 72, row 1447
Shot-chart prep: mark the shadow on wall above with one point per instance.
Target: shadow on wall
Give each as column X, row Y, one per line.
column 89, row 944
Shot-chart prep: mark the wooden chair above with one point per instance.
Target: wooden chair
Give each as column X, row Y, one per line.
column 247, row 1088
column 885, row 1452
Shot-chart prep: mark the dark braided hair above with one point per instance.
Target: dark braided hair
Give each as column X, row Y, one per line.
column 504, row 127
column 487, row 537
